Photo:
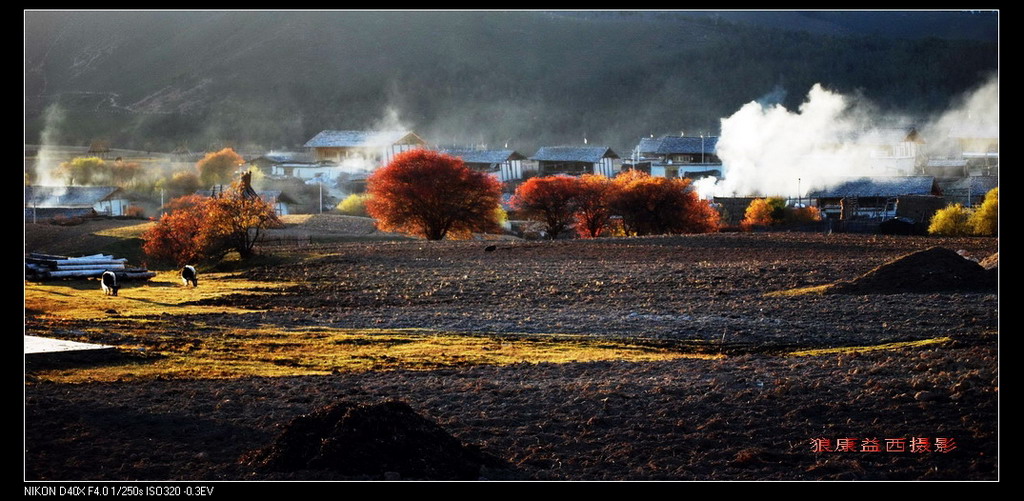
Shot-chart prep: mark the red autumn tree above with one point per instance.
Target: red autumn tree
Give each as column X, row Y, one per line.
column 176, row 238
column 202, row 229
column 656, row 205
column 551, row 200
column 592, row 211
column 432, row 195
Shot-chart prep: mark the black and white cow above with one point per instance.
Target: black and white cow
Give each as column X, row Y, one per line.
column 189, row 275
column 109, row 283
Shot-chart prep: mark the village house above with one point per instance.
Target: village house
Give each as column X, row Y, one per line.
column 894, row 151
column 692, row 157
column 967, row 191
column 47, row 202
column 576, row 160
column 878, row 198
column 978, row 147
column 272, row 163
column 370, row 148
column 504, row 164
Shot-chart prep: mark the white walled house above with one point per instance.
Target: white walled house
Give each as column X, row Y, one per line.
column 678, row 156
column 371, row 148
column 894, row 150
column 504, row 164
column 69, row 201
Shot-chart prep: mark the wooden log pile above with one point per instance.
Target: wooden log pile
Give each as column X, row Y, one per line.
column 40, row 267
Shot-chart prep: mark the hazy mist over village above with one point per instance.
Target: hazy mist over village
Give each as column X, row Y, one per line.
column 781, row 86
column 277, row 248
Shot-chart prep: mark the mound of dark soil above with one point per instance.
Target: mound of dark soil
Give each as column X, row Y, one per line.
column 384, row 440
column 931, row 270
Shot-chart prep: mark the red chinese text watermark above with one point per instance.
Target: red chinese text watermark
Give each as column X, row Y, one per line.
column 874, row 444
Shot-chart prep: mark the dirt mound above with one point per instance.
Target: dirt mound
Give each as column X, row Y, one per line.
column 379, row 441
column 990, row 262
column 932, row 270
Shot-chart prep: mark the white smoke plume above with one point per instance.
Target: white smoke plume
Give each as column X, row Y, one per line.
column 48, row 158
column 976, row 113
column 768, row 150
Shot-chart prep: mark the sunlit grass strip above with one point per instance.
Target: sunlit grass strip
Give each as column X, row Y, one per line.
column 132, row 231
column 269, row 352
column 853, row 349
column 801, row 291
column 164, row 293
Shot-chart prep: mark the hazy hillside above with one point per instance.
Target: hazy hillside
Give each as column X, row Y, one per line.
column 158, row 80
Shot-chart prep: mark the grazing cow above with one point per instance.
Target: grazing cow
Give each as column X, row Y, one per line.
column 189, row 275
column 109, row 283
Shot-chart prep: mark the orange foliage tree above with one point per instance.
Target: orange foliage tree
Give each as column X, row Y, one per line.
column 552, row 200
column 202, row 229
column 177, row 238
column 652, row 205
column 219, row 167
column 432, row 195
column 592, row 211
column 772, row 211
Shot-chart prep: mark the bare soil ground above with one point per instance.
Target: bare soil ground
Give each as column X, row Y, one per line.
column 752, row 415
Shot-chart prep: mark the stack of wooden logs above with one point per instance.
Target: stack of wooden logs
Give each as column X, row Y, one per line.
column 44, row 266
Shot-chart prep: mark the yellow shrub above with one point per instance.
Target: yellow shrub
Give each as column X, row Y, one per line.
column 353, row 205
column 985, row 220
column 951, row 221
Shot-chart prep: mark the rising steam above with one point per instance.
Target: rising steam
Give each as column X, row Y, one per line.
column 47, row 159
column 768, row 150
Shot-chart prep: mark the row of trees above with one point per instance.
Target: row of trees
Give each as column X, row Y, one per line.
column 647, row 205
column 435, row 196
column 214, row 168
column 96, row 171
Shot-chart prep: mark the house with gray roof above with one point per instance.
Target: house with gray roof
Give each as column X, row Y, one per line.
column 47, row 202
column 575, row 160
column 369, row 149
column 968, row 191
column 505, row 164
column 268, row 161
column 678, row 156
column 879, row 197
